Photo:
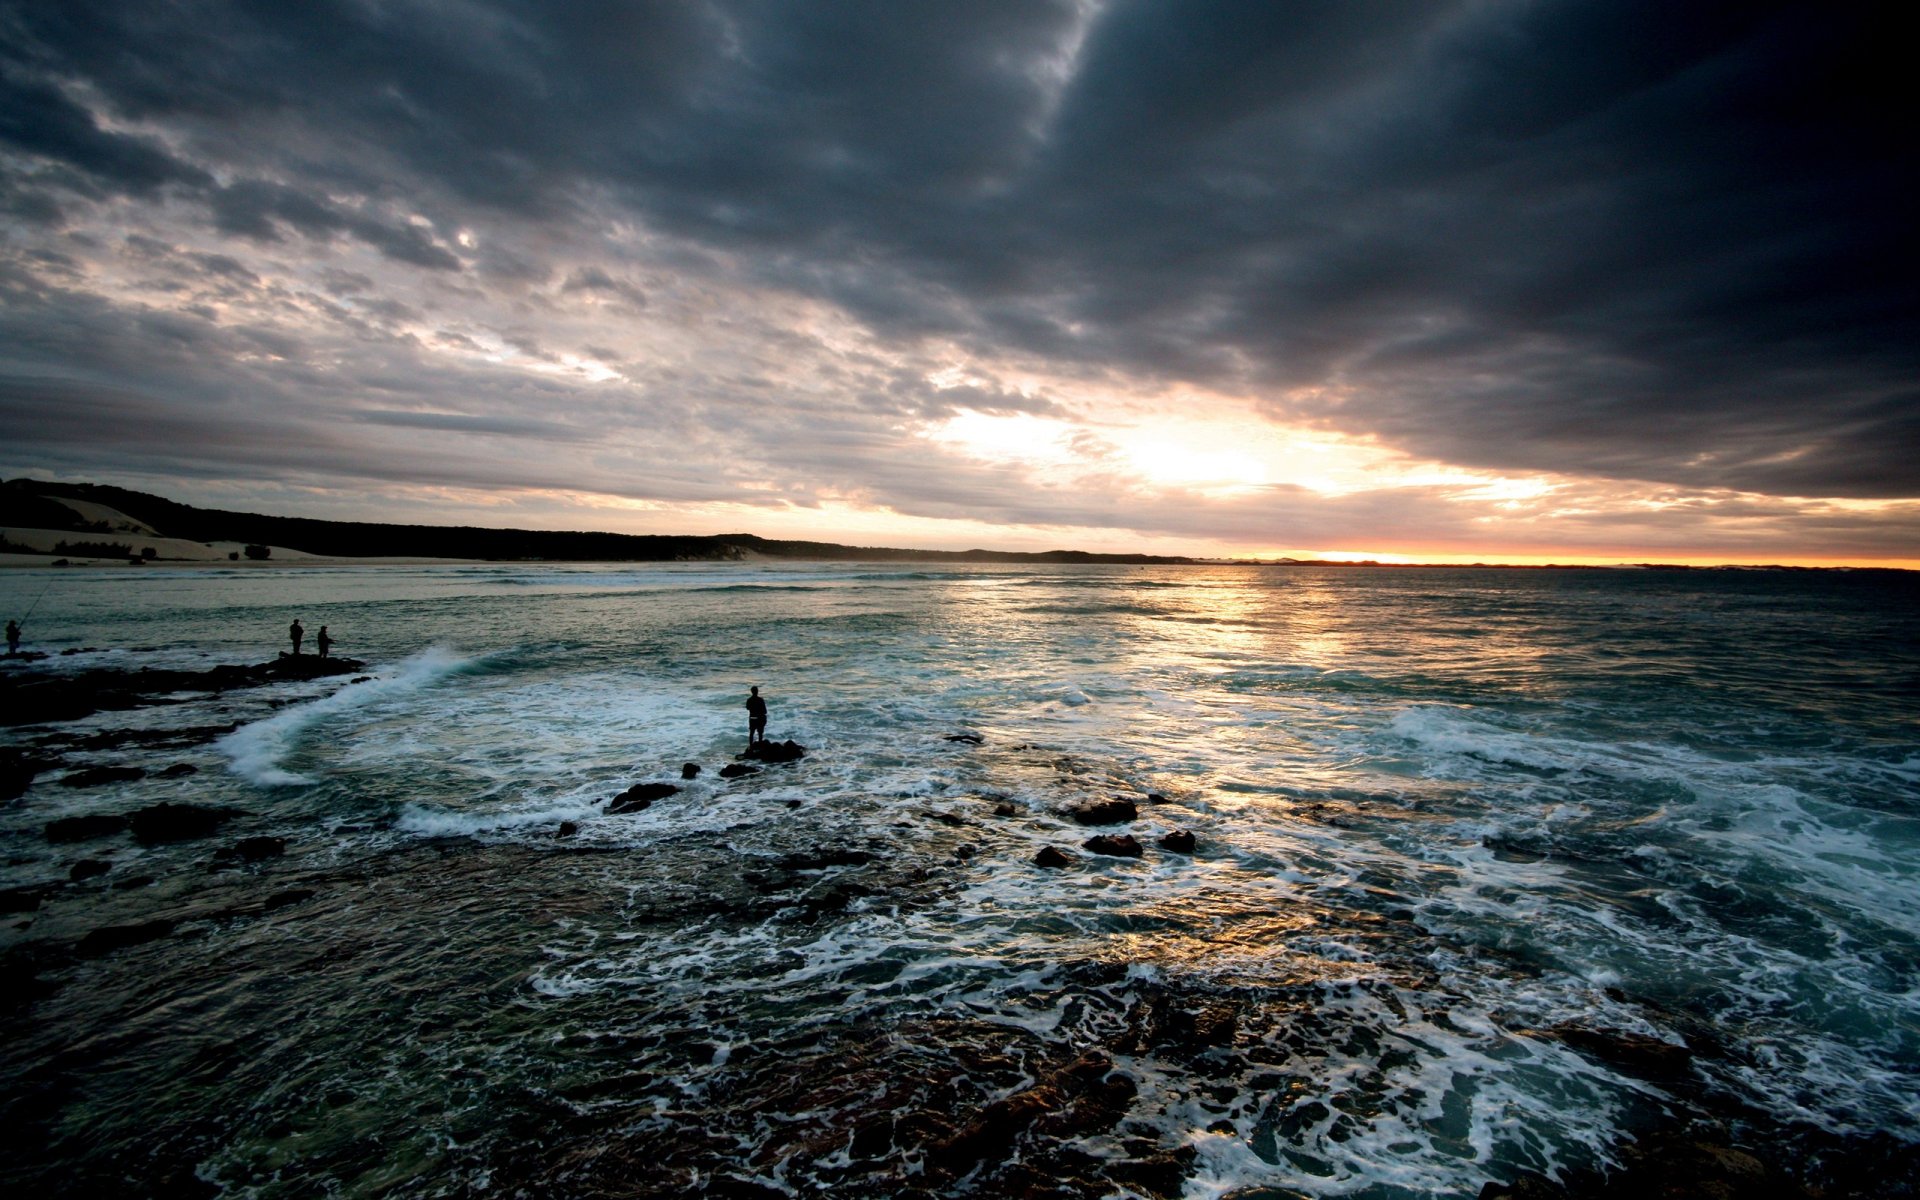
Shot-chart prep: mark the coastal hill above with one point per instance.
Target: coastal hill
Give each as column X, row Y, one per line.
column 95, row 520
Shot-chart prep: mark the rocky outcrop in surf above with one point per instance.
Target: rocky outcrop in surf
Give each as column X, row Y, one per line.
column 36, row 698
column 639, row 797
column 776, row 752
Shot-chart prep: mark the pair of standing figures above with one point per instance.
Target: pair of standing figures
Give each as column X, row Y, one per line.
column 296, row 633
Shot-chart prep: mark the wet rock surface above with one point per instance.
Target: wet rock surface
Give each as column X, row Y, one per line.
column 162, row 823
column 31, row 698
column 1179, row 841
column 668, row 1091
column 775, row 752
column 640, row 797
column 1116, row 811
column 1115, row 845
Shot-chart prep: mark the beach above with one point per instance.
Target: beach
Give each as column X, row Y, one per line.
column 1497, row 879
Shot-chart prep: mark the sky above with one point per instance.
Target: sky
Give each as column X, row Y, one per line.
column 1460, row 280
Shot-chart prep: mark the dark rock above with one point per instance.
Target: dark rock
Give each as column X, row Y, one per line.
column 88, row 868
column 177, row 822
column 17, row 770
column 1051, row 856
column 84, row 829
column 689, row 770
column 95, row 776
column 1179, row 841
column 19, row 899
column 737, row 771
column 824, row 857
column 964, row 851
column 776, row 752
column 131, row 882
column 1157, row 798
column 281, row 900
column 254, row 849
column 1116, row 811
column 567, row 829
column 1671, row 1163
column 1118, row 845
column 177, row 771
column 37, row 699
column 109, row 938
column 191, row 735
column 1195, row 1028
column 1006, row 809
column 1082, row 1098
column 990, row 1135
column 1646, row 1057
column 1162, row 1174
column 793, row 804
column 971, row 739
column 638, row 797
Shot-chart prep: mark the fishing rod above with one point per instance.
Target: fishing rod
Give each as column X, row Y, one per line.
column 37, row 600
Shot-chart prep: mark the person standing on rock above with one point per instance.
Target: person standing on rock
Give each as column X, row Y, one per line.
column 756, row 718
column 13, row 638
column 323, row 641
column 295, row 632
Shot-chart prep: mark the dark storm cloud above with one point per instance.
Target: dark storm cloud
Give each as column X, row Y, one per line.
column 1630, row 240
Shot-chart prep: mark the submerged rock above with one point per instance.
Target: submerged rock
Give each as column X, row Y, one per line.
column 638, row 797
column 1052, row 856
column 738, row 771
column 1117, row 811
column 689, row 770
column 88, row 868
column 1118, row 845
column 1179, row 841
column 254, row 849
column 1636, row 1054
column 567, row 829
column 109, row 938
column 970, row 738
column 20, row 899
column 178, row 822
column 84, row 829
column 1086, row 1096
column 177, row 771
column 96, row 776
column 17, row 770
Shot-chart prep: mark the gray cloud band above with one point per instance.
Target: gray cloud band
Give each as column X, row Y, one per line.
column 1620, row 241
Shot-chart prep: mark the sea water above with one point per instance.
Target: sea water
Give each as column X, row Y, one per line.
column 1442, row 817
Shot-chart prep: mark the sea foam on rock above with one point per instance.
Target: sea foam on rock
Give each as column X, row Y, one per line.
column 1117, row 811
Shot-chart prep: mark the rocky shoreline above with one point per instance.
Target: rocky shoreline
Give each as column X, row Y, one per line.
column 635, row 1100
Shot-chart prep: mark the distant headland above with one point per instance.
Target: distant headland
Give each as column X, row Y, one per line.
column 93, row 523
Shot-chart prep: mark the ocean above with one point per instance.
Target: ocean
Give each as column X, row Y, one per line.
column 1494, row 872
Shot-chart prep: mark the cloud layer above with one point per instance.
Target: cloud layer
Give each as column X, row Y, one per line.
column 1658, row 260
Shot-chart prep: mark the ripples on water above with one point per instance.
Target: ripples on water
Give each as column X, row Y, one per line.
column 1460, row 832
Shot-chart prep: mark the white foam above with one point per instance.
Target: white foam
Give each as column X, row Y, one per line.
column 257, row 751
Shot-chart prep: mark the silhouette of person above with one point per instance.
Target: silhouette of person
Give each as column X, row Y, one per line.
column 13, row 638
column 756, row 718
column 295, row 632
column 322, row 641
